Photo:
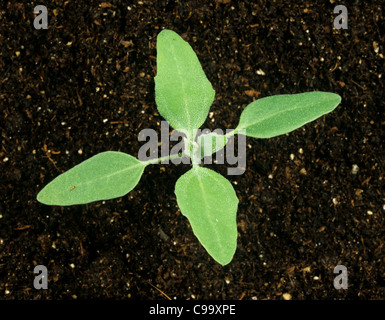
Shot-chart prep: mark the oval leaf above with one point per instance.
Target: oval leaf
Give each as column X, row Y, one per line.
column 105, row 176
column 209, row 202
column 272, row 116
column 182, row 92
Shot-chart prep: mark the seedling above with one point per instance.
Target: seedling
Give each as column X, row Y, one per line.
column 183, row 96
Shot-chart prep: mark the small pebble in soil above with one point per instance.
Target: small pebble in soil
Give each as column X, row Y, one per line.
column 355, row 169
column 286, row 296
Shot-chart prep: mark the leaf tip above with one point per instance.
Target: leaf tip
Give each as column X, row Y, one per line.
column 41, row 197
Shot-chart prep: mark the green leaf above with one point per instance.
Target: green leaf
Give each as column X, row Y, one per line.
column 272, row 116
column 209, row 202
column 183, row 94
column 210, row 143
column 104, row 176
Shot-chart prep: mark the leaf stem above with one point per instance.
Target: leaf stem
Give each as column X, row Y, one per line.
column 169, row 157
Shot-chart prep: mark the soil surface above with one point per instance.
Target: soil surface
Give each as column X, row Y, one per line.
column 309, row 200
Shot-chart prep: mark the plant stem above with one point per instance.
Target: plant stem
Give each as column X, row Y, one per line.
column 169, row 157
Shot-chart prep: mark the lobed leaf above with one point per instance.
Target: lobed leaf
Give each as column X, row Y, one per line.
column 104, row 176
column 272, row 116
column 209, row 202
column 183, row 93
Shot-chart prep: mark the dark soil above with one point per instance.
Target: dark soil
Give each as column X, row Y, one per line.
column 86, row 85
